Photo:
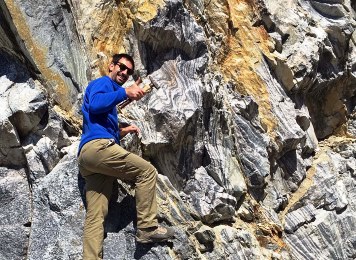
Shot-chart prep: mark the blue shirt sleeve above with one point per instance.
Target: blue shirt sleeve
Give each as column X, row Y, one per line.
column 103, row 97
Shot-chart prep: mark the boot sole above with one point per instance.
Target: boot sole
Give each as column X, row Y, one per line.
column 148, row 241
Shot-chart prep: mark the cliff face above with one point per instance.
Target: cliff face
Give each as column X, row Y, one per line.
column 252, row 129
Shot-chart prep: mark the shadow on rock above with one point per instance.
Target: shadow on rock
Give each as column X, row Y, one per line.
column 122, row 210
column 81, row 187
column 122, row 207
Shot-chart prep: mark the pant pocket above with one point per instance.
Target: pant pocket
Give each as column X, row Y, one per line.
column 105, row 144
column 88, row 157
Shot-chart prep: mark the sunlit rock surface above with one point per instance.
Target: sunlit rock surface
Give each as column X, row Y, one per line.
column 252, row 128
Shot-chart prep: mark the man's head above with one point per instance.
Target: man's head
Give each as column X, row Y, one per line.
column 121, row 67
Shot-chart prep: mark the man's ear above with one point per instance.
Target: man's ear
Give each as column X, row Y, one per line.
column 111, row 67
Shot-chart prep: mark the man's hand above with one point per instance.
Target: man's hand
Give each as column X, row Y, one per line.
column 134, row 92
column 129, row 129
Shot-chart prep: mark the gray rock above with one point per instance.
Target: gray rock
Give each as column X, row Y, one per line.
column 311, row 144
column 41, row 158
column 11, row 152
column 170, row 120
column 233, row 244
column 188, row 37
column 314, row 54
column 330, row 9
column 277, row 40
column 209, row 199
column 57, row 129
column 229, row 234
column 277, row 196
column 299, row 217
column 184, row 245
column 15, row 213
column 322, row 238
column 117, row 246
column 225, row 169
column 26, row 110
column 49, row 24
column 328, row 190
column 350, row 247
column 332, row 194
column 9, row 134
column 58, row 213
column 173, row 209
column 14, row 242
column 290, row 135
column 19, row 114
column 206, row 238
column 123, row 246
column 251, row 142
column 293, row 168
column 245, row 212
column 15, row 206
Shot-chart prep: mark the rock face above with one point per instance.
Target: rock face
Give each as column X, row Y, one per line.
column 252, row 130
column 326, row 210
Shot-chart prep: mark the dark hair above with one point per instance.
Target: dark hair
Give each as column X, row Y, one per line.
column 117, row 57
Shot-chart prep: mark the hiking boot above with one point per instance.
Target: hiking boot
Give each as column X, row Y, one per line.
column 154, row 234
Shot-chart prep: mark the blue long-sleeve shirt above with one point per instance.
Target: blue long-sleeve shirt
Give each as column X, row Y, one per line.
column 100, row 118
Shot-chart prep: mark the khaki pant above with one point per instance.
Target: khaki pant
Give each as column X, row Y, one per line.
column 101, row 161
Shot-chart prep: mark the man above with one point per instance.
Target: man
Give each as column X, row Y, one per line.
column 102, row 160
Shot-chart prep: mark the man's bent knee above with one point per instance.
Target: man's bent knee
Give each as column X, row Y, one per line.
column 150, row 173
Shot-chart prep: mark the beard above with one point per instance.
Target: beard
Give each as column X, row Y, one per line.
column 121, row 78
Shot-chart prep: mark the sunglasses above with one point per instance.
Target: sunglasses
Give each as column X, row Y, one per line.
column 123, row 67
